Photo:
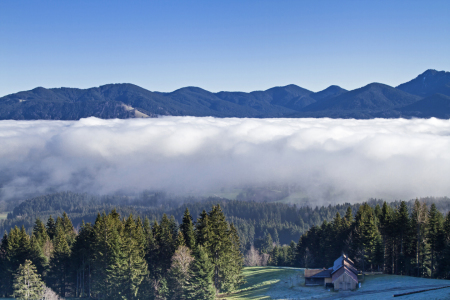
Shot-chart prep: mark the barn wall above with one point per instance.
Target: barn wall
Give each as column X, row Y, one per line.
column 344, row 282
column 314, row 281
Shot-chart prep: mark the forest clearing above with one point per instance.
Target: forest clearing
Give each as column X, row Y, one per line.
column 288, row 283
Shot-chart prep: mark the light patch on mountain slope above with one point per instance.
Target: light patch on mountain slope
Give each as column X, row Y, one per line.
column 137, row 114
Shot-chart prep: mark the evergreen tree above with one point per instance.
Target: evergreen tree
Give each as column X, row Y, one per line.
column 4, row 267
column 274, row 256
column 161, row 248
column 129, row 269
column 81, row 260
column 349, row 215
column 68, row 229
column 305, row 252
column 445, row 261
column 40, row 232
column 106, row 237
column 222, row 243
column 27, row 283
column 180, row 240
column 36, row 255
column 234, row 277
column 51, row 227
column 435, row 235
column 201, row 285
column 58, row 276
column 377, row 212
column 403, row 231
column 202, row 229
column 167, row 242
column 291, row 253
column 187, row 229
column 276, row 238
column 365, row 237
column 419, row 219
column 11, row 262
column 446, row 227
column 268, row 243
column 339, row 235
column 387, row 233
column 23, row 251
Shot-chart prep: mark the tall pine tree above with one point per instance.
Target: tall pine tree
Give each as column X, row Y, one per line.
column 201, row 285
column 27, row 282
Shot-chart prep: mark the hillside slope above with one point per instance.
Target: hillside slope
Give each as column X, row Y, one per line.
column 288, row 283
column 428, row 83
column 361, row 103
column 131, row 101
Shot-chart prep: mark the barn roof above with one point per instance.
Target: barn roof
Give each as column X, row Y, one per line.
column 340, row 272
column 343, row 260
column 323, row 274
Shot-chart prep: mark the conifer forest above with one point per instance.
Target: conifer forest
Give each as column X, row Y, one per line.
column 197, row 250
column 124, row 258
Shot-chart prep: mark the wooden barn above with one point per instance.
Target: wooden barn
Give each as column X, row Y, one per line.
column 317, row 276
column 342, row 276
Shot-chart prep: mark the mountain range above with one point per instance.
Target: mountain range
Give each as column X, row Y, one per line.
column 427, row 95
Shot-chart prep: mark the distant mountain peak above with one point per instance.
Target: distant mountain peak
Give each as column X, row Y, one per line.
column 376, row 85
column 39, row 88
column 291, row 88
column 418, row 97
column 430, row 71
column 428, row 83
column 329, row 92
column 334, row 87
column 191, row 89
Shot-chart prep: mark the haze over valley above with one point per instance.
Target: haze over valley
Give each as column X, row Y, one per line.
column 323, row 160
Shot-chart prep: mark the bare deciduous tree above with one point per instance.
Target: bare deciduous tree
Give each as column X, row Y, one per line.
column 182, row 260
column 49, row 294
column 252, row 258
column 47, row 249
column 179, row 274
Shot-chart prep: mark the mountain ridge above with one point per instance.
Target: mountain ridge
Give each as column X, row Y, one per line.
column 126, row 100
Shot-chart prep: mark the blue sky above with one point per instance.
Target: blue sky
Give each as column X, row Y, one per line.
column 220, row 45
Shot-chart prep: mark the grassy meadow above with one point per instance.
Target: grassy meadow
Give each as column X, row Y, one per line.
column 289, row 283
column 267, row 283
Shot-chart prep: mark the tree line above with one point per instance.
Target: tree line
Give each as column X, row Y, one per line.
column 125, row 258
column 266, row 226
column 384, row 238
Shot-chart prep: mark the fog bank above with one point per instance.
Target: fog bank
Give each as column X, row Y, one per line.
column 342, row 160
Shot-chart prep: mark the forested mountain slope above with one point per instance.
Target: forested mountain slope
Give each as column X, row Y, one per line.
column 130, row 101
column 428, row 83
column 361, row 103
column 254, row 220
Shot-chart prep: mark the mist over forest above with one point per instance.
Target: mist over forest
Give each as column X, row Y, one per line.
column 321, row 160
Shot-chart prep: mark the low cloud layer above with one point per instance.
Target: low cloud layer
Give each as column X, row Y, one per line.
column 325, row 159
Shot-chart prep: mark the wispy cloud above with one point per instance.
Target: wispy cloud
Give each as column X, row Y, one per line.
column 342, row 160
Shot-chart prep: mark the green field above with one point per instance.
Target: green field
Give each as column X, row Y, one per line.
column 3, row 215
column 288, row 283
column 271, row 283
